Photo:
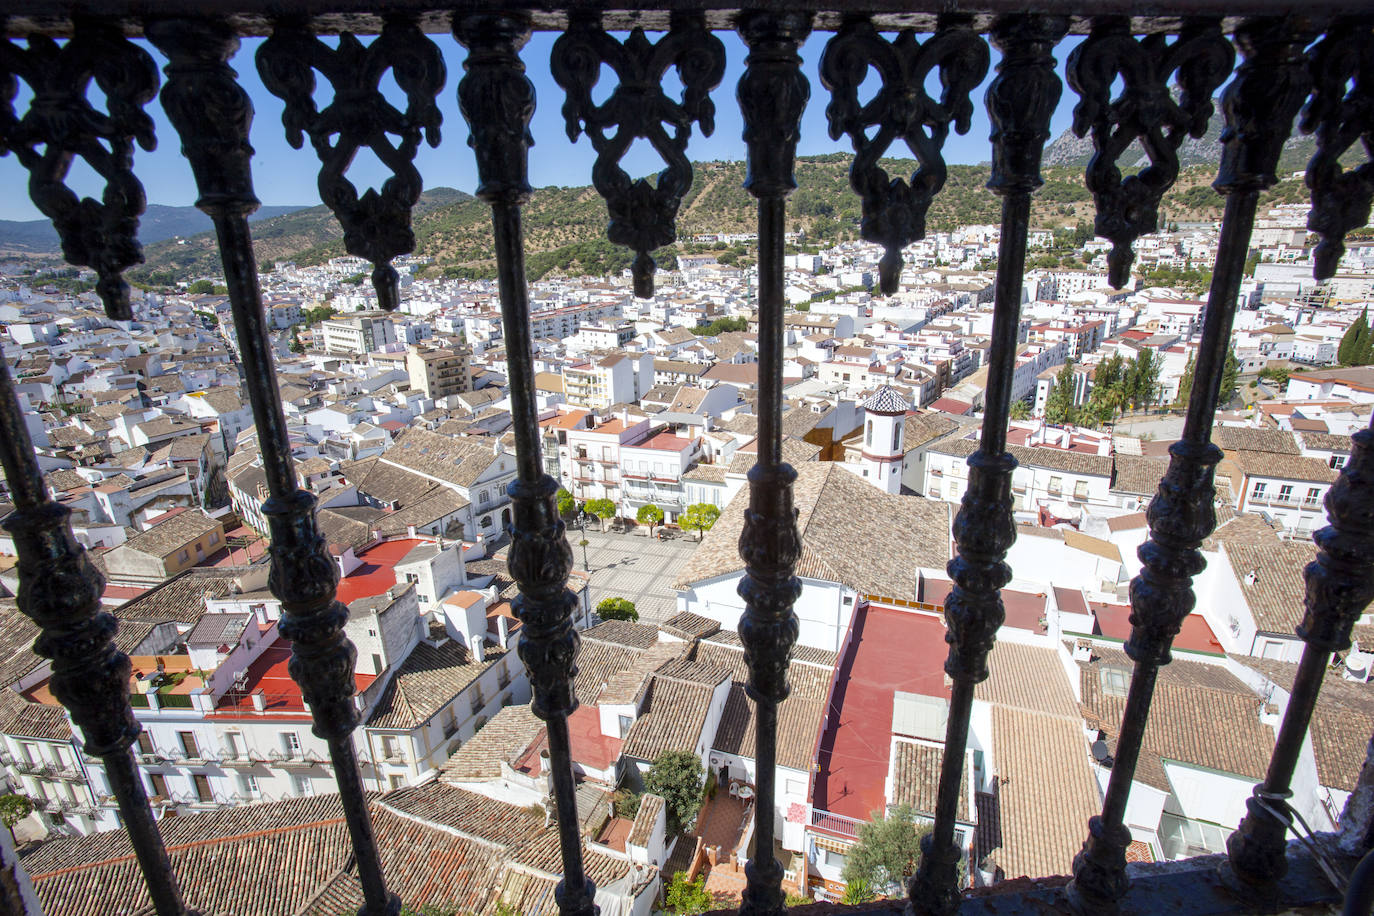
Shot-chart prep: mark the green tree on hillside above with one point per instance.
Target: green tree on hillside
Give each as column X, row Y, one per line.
column 1108, row 393
column 687, row 898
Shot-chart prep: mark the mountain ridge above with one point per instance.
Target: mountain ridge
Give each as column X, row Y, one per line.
column 565, row 226
column 158, row 223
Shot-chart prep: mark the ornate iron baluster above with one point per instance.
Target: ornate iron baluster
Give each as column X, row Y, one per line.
column 642, row 215
column 61, row 124
column 772, row 95
column 376, row 226
column 1340, row 585
column 212, row 113
column 1260, row 104
column 60, row 590
column 1340, row 198
column 894, row 212
column 497, row 101
column 1020, row 101
column 1145, row 111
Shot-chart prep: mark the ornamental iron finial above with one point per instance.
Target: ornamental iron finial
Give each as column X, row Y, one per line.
column 376, row 225
column 1145, row 111
column 61, row 125
column 1340, row 197
column 643, row 215
column 894, row 211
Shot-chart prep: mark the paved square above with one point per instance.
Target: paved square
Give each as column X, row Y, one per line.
column 633, row 566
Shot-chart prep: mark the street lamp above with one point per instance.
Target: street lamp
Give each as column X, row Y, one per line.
column 582, row 519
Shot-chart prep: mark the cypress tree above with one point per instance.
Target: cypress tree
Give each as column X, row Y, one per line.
column 1353, row 349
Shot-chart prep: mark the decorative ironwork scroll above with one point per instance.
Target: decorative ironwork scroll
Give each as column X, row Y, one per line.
column 1020, row 101
column 894, row 211
column 376, row 226
column 642, row 215
column 1340, row 585
column 497, row 101
column 212, row 114
column 772, row 96
column 1146, row 111
column 60, row 590
column 1260, row 104
column 1340, row 197
column 61, row 124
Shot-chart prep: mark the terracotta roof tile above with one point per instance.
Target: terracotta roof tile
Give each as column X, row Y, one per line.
column 671, row 718
column 916, row 778
column 1045, row 793
column 1193, row 703
column 1340, row 723
column 429, row 679
column 852, row 533
column 1277, row 441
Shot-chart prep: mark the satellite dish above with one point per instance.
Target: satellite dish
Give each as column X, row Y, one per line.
column 1101, row 754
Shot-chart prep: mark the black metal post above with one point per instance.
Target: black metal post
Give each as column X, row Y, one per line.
column 1020, row 101
column 60, row 590
column 212, row 113
column 497, row 100
column 1340, row 585
column 1260, row 104
column 772, row 95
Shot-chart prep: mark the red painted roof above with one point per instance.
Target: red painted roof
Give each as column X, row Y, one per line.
column 951, row 405
column 378, row 572
column 1025, row 610
column 889, row 650
column 1113, row 622
column 122, row 592
column 589, row 747
column 166, row 515
column 283, row 695
column 665, row 441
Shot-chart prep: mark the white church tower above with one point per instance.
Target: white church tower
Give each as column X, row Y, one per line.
column 884, row 419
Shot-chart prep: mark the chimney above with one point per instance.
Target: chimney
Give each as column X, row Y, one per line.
column 1252, row 577
column 259, row 700
column 479, row 647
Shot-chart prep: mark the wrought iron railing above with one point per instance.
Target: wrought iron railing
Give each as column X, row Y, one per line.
column 1122, row 72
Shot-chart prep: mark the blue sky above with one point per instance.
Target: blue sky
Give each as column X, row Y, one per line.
column 283, row 175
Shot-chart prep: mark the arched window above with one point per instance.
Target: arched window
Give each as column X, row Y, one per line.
column 868, row 437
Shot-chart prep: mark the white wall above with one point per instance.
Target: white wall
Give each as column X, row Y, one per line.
column 821, row 612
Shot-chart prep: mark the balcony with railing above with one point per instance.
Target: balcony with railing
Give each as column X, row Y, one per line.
column 1141, row 72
